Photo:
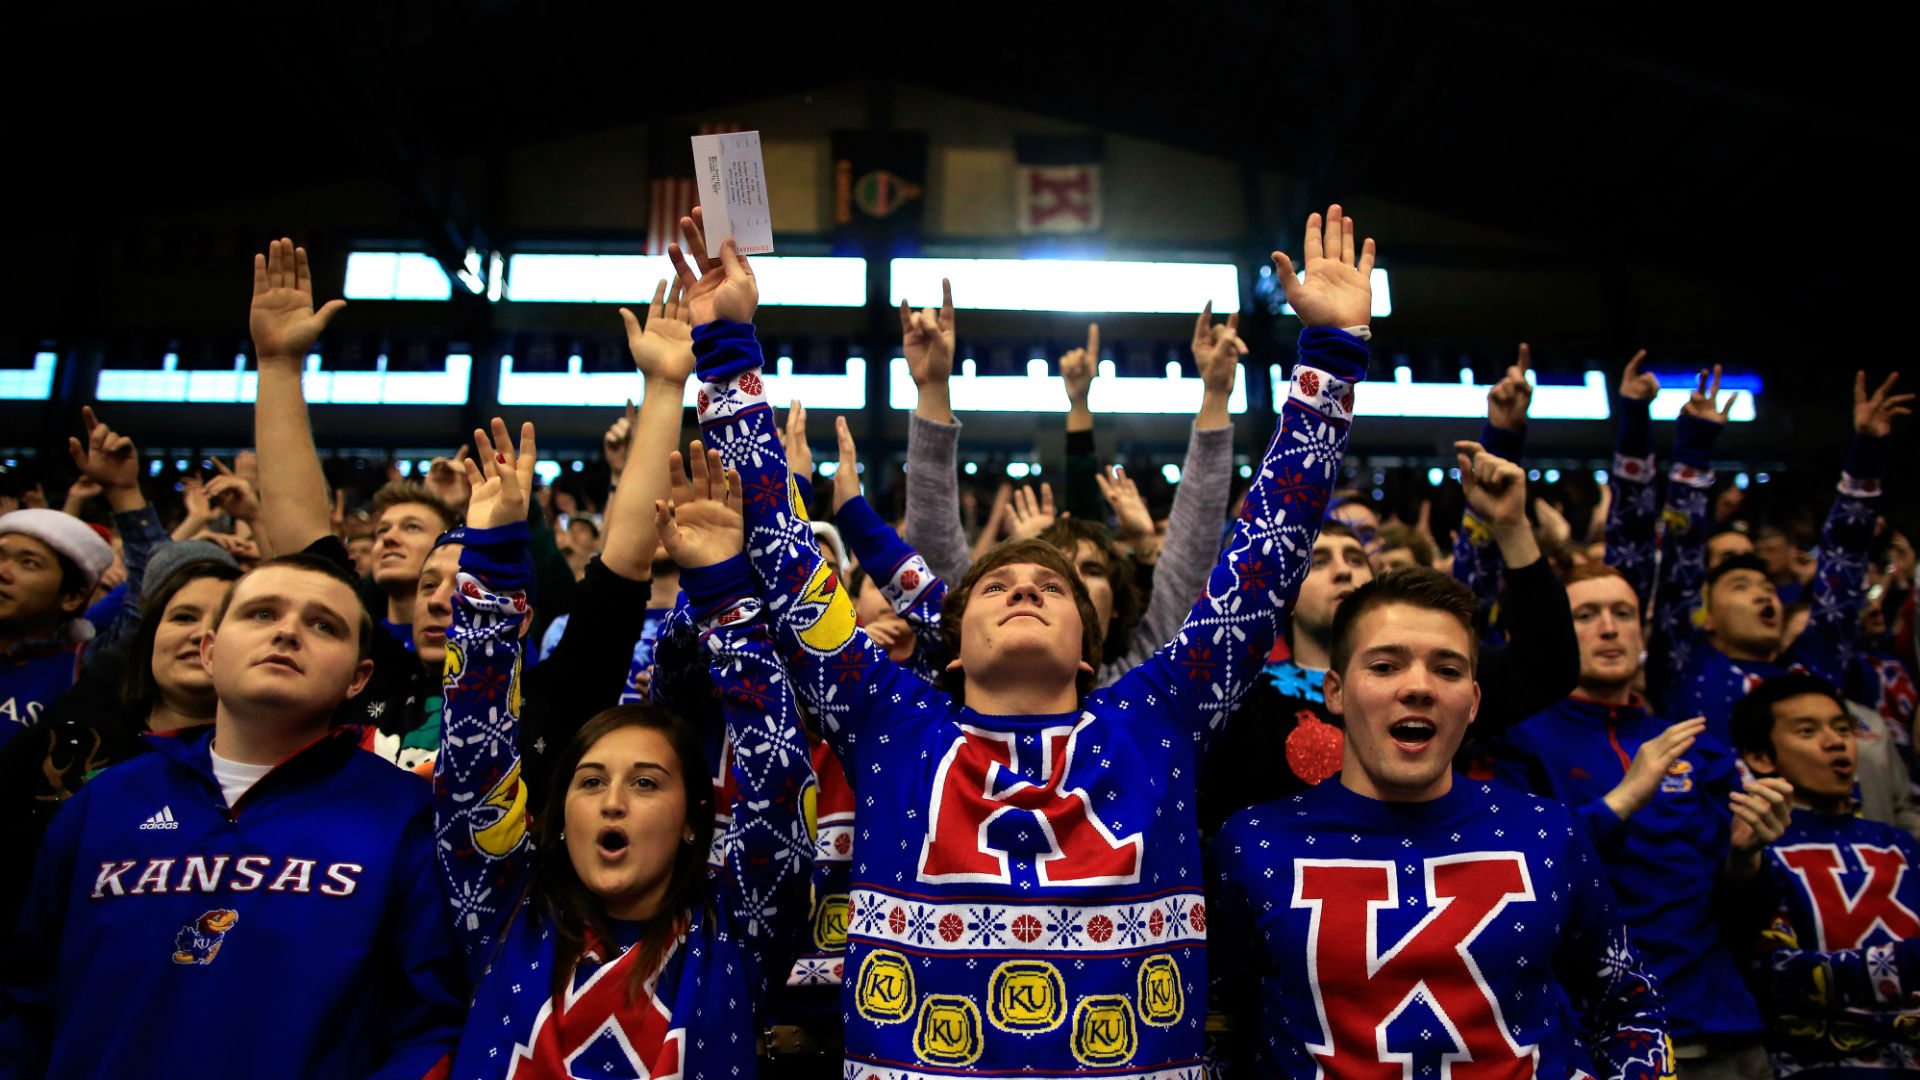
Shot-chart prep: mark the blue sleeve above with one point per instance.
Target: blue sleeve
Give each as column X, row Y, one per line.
column 847, row 681
column 1632, row 512
column 1840, row 578
column 482, row 843
column 106, row 610
column 1683, row 553
column 1200, row 676
column 767, row 848
column 912, row 591
column 423, row 1026
column 1623, row 1020
column 1500, row 442
column 1477, row 562
column 140, row 532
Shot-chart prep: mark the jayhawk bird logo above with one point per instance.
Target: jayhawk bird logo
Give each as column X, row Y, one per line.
column 199, row 941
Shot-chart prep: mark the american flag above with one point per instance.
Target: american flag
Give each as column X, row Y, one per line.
column 674, row 197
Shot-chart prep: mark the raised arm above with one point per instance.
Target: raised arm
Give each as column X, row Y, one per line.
column 1206, row 669
column 480, row 804
column 1839, row 582
column 1688, row 518
column 1078, row 494
column 845, row 679
column 1192, row 545
column 110, row 460
column 1494, row 532
column 1479, row 549
column 1632, row 510
column 284, row 325
column 663, row 353
column 898, row 571
column 933, row 435
column 767, row 848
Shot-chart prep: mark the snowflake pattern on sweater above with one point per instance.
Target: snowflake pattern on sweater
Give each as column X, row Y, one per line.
column 696, row 1017
column 1027, row 889
column 1426, row 940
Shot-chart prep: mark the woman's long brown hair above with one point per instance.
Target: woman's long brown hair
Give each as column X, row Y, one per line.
column 576, row 913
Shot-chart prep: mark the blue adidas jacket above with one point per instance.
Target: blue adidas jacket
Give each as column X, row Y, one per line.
column 301, row 934
column 1662, row 862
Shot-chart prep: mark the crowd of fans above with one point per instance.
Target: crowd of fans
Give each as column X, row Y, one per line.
column 705, row 772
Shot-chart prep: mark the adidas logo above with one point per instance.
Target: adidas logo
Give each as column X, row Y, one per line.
column 161, row 820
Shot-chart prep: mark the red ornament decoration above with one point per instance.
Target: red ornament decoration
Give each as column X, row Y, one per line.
column 750, row 383
column 897, row 920
column 1099, row 928
column 1309, row 384
column 1197, row 918
column 1026, row 928
column 951, row 927
column 1156, row 923
column 1314, row 747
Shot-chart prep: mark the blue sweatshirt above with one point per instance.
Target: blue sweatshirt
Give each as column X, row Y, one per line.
column 1027, row 889
column 697, row 1014
column 300, row 934
column 1838, row 971
column 1663, row 863
column 1372, row 937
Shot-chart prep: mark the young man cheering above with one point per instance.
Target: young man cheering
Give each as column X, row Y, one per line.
column 1402, row 916
column 1838, row 969
column 1026, row 888
column 271, row 880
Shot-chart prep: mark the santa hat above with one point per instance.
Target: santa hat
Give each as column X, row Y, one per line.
column 66, row 535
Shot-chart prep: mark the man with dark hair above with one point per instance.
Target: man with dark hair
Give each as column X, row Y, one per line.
column 1739, row 644
column 1838, row 969
column 1654, row 800
column 1403, row 918
column 1286, row 738
column 267, row 874
column 1401, row 545
column 1026, row 897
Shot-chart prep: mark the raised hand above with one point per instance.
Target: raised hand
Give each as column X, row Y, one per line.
column 1700, row 402
column 1078, row 367
column 193, row 495
column 1507, row 400
column 1338, row 290
column 1028, row 516
column 1761, row 814
column 1217, row 350
column 283, row 322
column 1873, row 415
column 618, row 440
column 793, row 438
column 724, row 288
column 1130, row 510
column 1637, row 385
column 1553, row 524
column 446, row 478
column 110, row 460
column 1495, row 488
column 846, row 478
column 502, row 479
column 701, row 523
column 1650, row 764
column 663, row 350
column 926, row 339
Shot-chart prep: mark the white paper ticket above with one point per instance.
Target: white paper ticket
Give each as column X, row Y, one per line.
column 733, row 191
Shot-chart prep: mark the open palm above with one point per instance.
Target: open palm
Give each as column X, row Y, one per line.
column 1338, row 289
column 282, row 320
column 724, row 288
column 702, row 524
column 663, row 349
column 501, row 478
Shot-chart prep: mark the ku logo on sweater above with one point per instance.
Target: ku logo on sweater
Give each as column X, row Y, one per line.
column 982, row 777
column 1361, row 981
column 1846, row 917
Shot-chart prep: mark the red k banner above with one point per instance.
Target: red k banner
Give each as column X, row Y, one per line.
column 1057, row 184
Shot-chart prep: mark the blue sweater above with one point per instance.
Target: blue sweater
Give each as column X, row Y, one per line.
column 1372, row 937
column 697, row 1014
column 1027, row 889
column 1663, row 862
column 302, row 934
column 1838, row 971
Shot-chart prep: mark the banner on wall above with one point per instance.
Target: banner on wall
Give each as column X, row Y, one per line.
column 1057, row 183
column 879, row 183
column 671, row 191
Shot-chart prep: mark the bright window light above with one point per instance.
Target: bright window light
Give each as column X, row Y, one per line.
column 29, row 384
column 1434, row 476
column 1600, row 476
column 1171, row 472
column 547, row 470
column 1677, row 386
column 1382, row 294
column 1039, row 392
column 1463, row 400
column 972, row 467
column 1553, row 476
column 377, row 387
column 612, row 388
column 396, row 275
column 1740, row 480
column 827, row 468
column 793, row 281
column 1068, row 284
column 1017, row 469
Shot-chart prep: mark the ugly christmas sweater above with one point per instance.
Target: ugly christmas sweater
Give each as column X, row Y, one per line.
column 697, row 1014
column 1378, row 939
column 1027, row 889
